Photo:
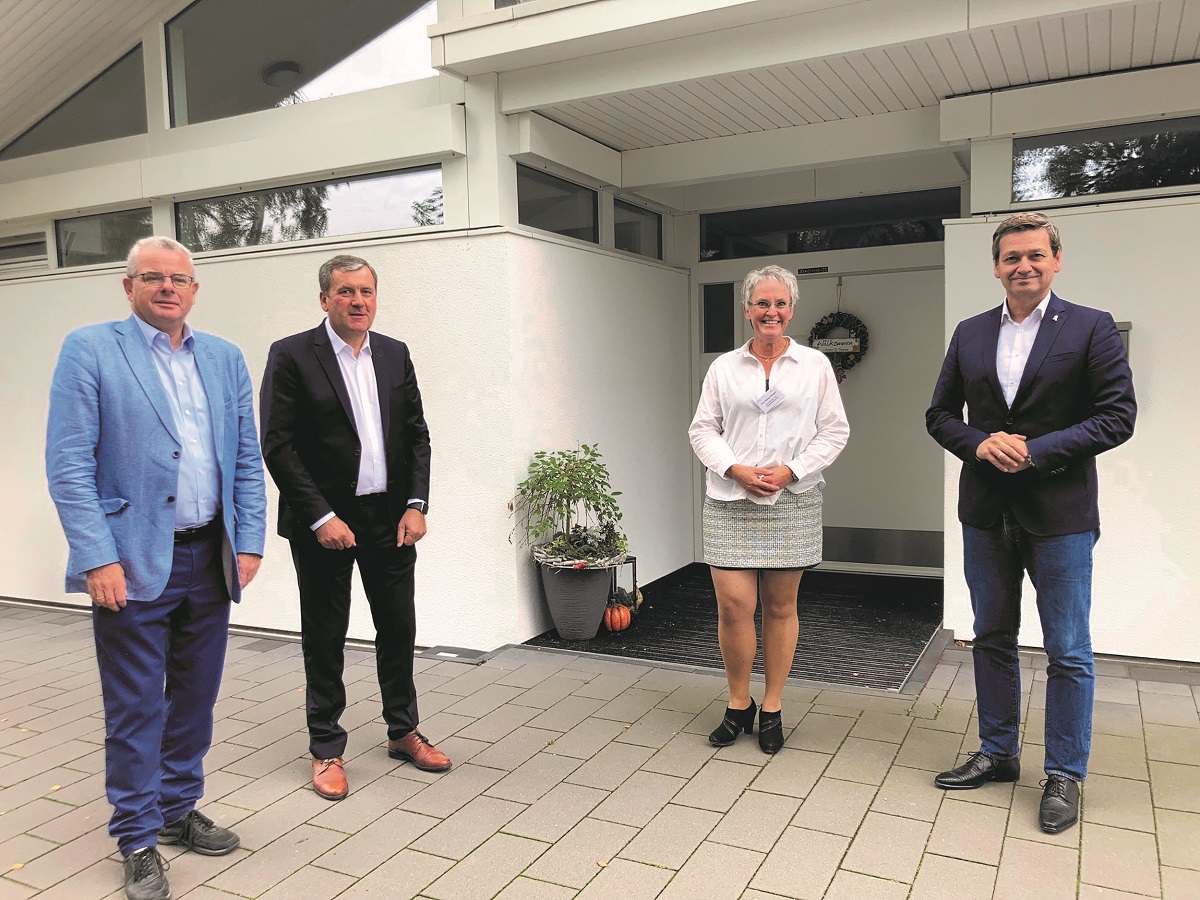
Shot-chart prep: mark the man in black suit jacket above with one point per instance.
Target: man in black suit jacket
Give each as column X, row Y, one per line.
column 1047, row 388
column 344, row 437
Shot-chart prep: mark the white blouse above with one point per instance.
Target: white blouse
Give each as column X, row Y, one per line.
column 805, row 431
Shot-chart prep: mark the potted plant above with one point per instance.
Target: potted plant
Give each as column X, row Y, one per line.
column 567, row 510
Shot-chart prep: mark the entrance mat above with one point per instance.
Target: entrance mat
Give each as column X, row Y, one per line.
column 855, row 629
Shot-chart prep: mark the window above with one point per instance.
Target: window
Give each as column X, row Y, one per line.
column 909, row 218
column 719, row 318
column 553, row 204
column 1105, row 160
column 387, row 202
column 22, row 252
column 112, row 105
column 228, row 57
column 89, row 240
column 637, row 230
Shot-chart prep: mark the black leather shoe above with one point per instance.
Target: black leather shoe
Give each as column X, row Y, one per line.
column 978, row 770
column 1060, row 804
column 735, row 722
column 770, row 731
column 145, row 877
column 198, row 832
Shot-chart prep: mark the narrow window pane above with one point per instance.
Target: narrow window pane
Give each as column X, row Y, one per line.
column 322, row 209
column 105, row 238
column 637, row 230
column 1105, row 160
column 277, row 55
column 908, row 218
column 719, row 318
column 553, row 204
column 22, row 252
column 112, row 105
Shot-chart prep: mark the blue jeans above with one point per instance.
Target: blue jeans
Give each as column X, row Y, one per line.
column 1060, row 567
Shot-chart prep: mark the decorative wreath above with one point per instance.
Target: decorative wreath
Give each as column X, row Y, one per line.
column 842, row 362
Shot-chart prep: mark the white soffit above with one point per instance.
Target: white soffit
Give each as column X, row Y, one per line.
column 49, row 49
column 889, row 79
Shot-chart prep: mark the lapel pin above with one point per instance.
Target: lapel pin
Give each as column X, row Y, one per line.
column 1054, row 318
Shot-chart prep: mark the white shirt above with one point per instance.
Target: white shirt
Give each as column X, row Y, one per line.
column 805, row 432
column 358, row 372
column 1012, row 350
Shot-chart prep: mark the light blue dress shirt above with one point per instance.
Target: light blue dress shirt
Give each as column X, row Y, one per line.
column 199, row 489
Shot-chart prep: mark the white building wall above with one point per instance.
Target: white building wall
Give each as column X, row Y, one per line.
column 601, row 357
column 1136, row 261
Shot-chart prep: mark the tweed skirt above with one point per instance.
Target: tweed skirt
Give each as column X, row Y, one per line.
column 741, row 534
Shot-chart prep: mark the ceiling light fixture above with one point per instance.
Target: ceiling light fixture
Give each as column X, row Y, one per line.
column 283, row 73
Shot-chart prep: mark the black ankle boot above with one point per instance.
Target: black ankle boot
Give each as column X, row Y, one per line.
column 735, row 722
column 770, row 731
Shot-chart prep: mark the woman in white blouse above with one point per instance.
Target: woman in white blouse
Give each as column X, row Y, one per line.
column 769, row 421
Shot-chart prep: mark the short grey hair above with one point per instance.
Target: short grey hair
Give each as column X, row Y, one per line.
column 343, row 262
column 1026, row 221
column 769, row 273
column 159, row 242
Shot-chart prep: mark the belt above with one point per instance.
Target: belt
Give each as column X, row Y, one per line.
column 371, row 499
column 200, row 532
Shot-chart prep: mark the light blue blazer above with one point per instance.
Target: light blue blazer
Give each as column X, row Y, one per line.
column 112, row 456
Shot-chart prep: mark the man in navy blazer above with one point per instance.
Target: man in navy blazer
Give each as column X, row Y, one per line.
column 344, row 437
column 153, row 464
column 1047, row 387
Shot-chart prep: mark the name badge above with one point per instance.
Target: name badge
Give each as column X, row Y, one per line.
column 769, row 400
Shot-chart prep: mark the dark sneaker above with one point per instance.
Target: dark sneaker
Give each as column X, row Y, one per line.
column 145, row 875
column 198, row 832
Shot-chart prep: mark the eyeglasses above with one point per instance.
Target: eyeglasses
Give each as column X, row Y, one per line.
column 767, row 304
column 156, row 279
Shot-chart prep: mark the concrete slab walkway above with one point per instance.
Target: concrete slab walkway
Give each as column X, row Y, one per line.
column 578, row 777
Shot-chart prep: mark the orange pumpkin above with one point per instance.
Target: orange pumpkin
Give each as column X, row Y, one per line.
column 617, row 617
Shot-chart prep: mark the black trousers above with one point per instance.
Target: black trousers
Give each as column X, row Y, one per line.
column 324, row 579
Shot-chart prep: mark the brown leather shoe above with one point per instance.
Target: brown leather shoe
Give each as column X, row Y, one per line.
column 417, row 750
column 329, row 778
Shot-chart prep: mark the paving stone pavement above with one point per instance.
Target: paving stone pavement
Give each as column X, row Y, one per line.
column 593, row 778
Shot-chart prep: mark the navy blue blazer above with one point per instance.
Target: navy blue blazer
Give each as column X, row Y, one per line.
column 1075, row 401
column 310, row 442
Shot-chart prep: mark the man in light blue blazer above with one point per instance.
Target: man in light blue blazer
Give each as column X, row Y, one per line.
column 153, row 463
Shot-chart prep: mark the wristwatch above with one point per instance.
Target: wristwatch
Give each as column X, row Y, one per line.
column 420, row 506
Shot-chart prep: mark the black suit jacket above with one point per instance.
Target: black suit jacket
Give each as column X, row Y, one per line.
column 310, row 443
column 1075, row 401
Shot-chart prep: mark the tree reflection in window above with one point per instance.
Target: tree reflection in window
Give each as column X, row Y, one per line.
column 1107, row 160
column 247, row 220
column 392, row 201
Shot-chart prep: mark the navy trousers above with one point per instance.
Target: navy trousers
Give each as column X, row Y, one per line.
column 160, row 669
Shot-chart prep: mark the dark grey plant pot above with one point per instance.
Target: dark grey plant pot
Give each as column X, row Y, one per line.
column 577, row 598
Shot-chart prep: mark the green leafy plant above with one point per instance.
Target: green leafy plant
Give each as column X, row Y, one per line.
column 566, row 508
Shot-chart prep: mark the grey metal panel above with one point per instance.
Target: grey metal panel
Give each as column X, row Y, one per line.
column 885, row 546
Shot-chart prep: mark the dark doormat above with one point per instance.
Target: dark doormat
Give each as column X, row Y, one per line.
column 855, row 629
